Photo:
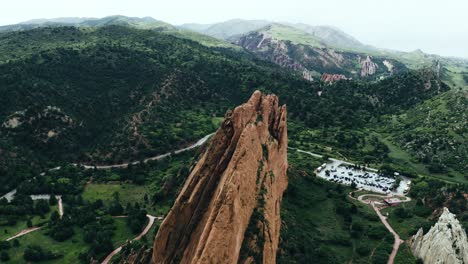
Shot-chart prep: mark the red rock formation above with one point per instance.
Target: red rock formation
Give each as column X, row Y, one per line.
column 229, row 208
column 330, row 78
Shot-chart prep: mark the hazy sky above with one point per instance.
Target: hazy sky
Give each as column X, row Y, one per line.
column 435, row 26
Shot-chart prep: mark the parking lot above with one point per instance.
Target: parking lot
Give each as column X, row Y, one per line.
column 369, row 179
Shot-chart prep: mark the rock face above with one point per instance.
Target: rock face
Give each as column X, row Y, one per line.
column 313, row 59
column 229, row 208
column 446, row 242
column 368, row 67
column 331, row 78
column 274, row 50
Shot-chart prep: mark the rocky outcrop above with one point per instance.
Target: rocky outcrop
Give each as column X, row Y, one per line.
column 368, row 67
column 229, row 208
column 135, row 255
column 274, row 50
column 446, row 242
column 331, row 78
column 389, row 65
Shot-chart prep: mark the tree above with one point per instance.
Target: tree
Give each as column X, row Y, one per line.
column 52, row 200
column 54, row 217
column 42, row 207
column 29, row 223
column 4, row 245
column 33, row 253
column 115, row 208
column 16, row 243
column 4, row 256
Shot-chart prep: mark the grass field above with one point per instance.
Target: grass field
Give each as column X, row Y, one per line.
column 128, row 193
column 22, row 224
column 404, row 255
column 401, row 158
column 70, row 249
column 294, row 35
column 455, row 77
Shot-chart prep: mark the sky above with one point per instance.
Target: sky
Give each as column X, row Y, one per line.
column 434, row 26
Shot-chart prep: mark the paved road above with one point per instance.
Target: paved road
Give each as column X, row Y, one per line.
column 147, row 228
column 124, row 165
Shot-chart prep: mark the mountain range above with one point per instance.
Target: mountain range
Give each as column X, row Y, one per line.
column 120, row 90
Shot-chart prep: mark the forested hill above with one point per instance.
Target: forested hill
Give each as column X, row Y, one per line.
column 115, row 93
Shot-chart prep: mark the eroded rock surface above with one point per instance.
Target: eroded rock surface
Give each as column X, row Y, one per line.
column 331, row 78
column 368, row 67
column 446, row 242
column 229, row 208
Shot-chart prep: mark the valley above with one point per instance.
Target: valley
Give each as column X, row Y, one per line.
column 127, row 129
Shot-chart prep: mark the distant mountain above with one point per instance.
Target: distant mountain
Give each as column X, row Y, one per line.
column 64, row 20
column 227, row 29
column 133, row 22
column 333, row 37
column 312, row 56
column 142, row 23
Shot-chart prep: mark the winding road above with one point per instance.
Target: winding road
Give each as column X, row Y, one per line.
column 125, row 165
column 9, row 196
column 147, row 228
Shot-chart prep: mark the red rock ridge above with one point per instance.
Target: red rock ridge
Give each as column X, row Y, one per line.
column 229, row 208
column 330, row 78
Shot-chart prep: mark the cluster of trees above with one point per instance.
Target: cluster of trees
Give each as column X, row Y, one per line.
column 99, row 235
column 60, row 229
column 441, row 131
column 68, row 180
column 36, row 253
column 21, row 207
column 437, row 194
column 5, row 246
column 136, row 218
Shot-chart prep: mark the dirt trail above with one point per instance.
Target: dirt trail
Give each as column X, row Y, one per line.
column 147, row 228
column 60, row 205
column 24, row 232
column 397, row 240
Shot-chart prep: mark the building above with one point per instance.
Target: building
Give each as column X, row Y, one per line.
column 392, row 201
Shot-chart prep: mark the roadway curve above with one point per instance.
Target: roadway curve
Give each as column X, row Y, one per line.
column 397, row 240
column 125, row 165
column 147, row 228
